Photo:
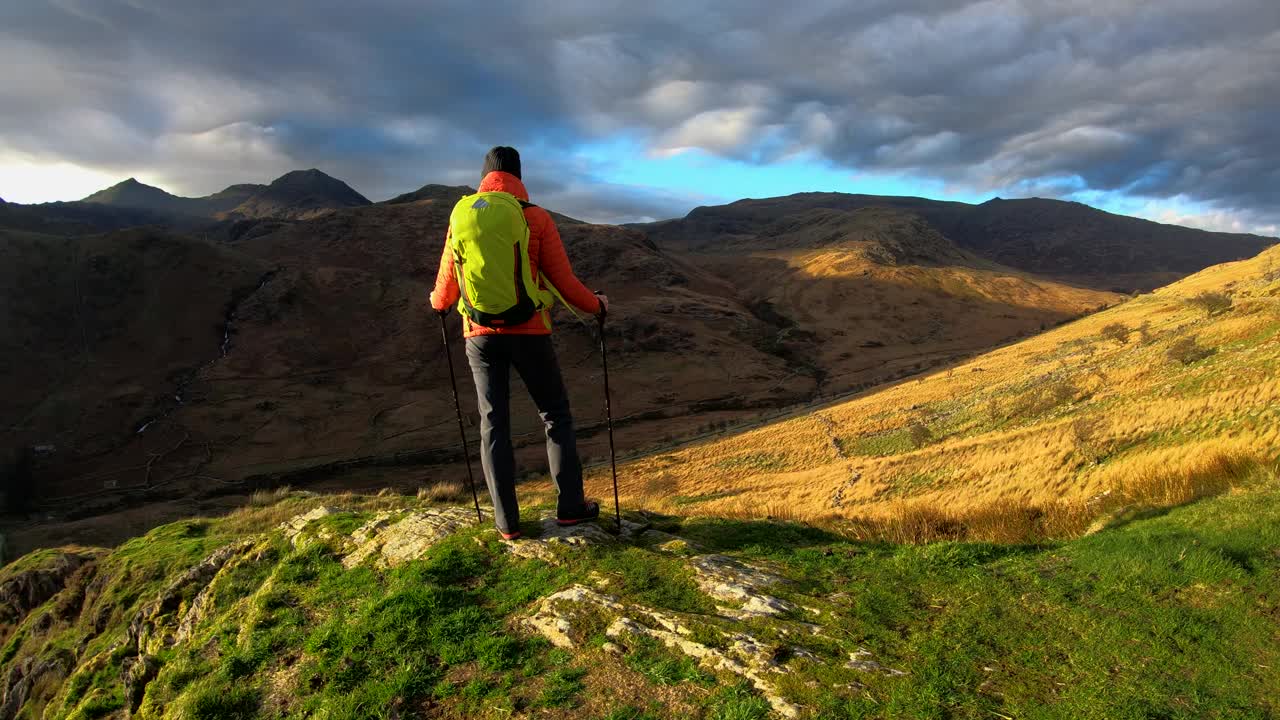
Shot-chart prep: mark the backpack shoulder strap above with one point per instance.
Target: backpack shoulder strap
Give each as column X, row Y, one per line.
column 526, row 205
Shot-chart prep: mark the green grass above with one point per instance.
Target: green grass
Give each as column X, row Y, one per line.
column 738, row 702
column 1171, row 614
column 664, row 667
column 631, row 712
column 654, row 579
column 685, row 500
column 756, row 462
column 562, row 688
column 895, row 442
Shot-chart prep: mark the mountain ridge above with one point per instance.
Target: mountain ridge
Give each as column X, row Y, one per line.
column 1054, row 238
column 297, row 194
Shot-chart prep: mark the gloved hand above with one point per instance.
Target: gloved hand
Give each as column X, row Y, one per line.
column 604, row 303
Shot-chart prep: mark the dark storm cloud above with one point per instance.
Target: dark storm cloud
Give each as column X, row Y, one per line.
column 1163, row 100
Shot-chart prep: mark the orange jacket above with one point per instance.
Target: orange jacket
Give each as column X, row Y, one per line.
column 546, row 256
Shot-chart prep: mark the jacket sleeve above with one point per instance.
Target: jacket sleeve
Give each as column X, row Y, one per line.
column 445, row 293
column 554, row 264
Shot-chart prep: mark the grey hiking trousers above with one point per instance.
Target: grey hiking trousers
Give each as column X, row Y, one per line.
column 533, row 356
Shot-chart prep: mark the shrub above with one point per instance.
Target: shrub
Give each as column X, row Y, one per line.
column 1186, row 351
column 993, row 410
column 1118, row 332
column 1213, row 303
column 920, row 434
column 1086, row 436
column 1043, row 398
column 1145, row 336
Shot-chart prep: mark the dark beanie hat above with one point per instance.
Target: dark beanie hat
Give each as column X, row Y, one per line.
column 502, row 159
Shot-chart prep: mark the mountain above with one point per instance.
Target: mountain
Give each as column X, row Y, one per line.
column 295, row 195
column 332, row 369
column 862, row 295
column 133, row 194
column 1065, row 240
column 444, row 193
column 1171, row 393
column 298, row 195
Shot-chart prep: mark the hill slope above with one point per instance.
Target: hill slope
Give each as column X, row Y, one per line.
column 104, row 333
column 369, row 607
column 1051, row 237
column 863, row 296
column 1152, row 394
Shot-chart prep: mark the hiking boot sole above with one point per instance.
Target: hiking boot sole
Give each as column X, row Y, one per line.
column 568, row 522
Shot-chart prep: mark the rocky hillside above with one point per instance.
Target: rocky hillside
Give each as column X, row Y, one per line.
column 374, row 607
column 1049, row 237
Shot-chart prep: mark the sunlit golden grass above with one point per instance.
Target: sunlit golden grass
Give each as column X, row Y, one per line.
column 1019, row 442
column 447, row 491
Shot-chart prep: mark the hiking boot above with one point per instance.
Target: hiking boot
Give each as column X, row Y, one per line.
column 513, row 535
column 590, row 511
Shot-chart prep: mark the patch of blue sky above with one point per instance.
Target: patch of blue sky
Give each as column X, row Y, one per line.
column 701, row 174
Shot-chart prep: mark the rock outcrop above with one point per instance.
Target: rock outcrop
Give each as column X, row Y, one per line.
column 748, row 631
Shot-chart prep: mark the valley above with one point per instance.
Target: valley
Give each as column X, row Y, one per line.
column 305, row 355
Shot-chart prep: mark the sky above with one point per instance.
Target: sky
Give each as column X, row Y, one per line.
column 634, row 111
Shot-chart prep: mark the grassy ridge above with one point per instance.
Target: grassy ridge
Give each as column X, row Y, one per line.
column 1150, row 393
column 1173, row 614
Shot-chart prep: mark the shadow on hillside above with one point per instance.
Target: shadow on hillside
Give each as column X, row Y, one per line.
column 780, row 538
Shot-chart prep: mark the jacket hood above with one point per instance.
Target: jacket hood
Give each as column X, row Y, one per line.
column 498, row 181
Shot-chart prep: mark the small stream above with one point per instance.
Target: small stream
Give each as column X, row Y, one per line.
column 229, row 318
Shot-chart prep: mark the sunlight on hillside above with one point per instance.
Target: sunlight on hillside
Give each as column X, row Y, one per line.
column 1137, row 398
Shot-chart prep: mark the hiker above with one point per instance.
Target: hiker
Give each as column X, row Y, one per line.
column 518, row 337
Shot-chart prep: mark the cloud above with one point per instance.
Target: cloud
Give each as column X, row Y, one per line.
column 1155, row 100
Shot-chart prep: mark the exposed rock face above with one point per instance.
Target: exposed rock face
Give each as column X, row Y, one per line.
column 26, row 674
column 151, row 630
column 728, row 580
column 561, row 618
column 29, row 590
column 294, row 526
column 748, row 635
column 559, row 614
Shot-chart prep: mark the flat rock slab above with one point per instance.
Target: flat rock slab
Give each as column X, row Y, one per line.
column 294, row 526
column 862, row 660
column 563, row 618
column 557, row 614
column 409, row 538
column 551, row 534
column 732, row 581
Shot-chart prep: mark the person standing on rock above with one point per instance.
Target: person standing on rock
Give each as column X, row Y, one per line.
column 505, row 300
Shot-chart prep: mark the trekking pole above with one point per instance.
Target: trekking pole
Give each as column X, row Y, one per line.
column 462, row 430
column 608, row 411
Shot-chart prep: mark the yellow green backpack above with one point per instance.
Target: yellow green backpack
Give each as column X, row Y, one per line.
column 489, row 237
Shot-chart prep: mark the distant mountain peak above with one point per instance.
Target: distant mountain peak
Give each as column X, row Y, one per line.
column 300, row 194
column 308, row 175
column 132, row 193
column 432, row 191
